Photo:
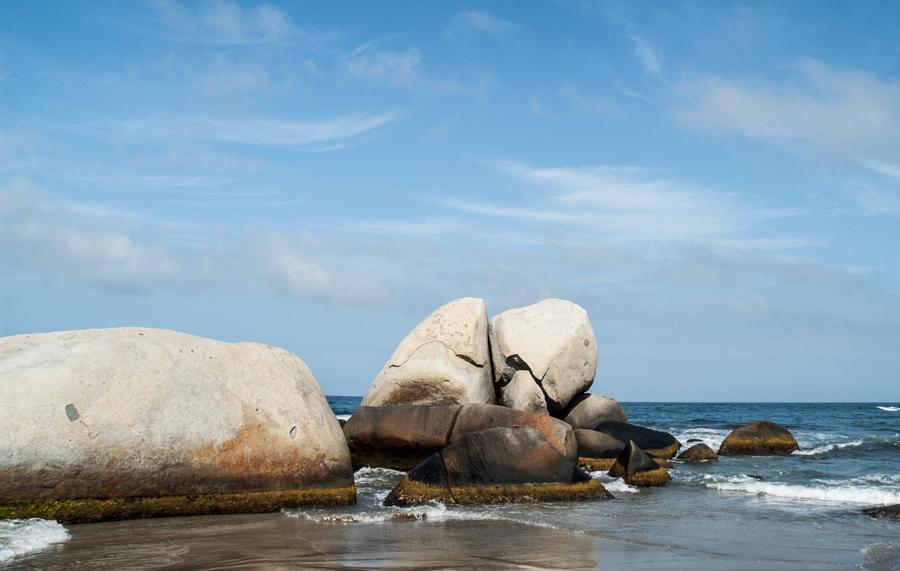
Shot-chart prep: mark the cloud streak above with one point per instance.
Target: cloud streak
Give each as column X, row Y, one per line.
column 623, row 204
column 848, row 113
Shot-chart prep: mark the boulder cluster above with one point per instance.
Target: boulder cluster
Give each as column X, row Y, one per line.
column 133, row 422
column 479, row 409
column 459, row 374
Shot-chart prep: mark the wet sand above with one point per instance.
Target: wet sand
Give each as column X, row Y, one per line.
column 276, row 541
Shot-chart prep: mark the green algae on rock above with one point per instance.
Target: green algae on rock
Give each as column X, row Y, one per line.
column 502, row 464
column 759, row 438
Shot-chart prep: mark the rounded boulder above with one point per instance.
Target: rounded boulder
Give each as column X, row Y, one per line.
column 502, row 464
column 759, row 438
column 132, row 422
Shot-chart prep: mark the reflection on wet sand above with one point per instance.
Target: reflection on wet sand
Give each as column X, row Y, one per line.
column 278, row 542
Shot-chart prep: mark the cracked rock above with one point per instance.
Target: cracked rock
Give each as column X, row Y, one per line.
column 523, row 393
column 554, row 341
column 443, row 360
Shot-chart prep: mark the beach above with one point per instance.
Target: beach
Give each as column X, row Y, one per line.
column 753, row 513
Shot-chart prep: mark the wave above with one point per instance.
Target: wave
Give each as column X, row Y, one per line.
column 343, row 416
column 614, row 485
column 23, row 536
column 825, row 449
column 889, row 408
column 861, row 495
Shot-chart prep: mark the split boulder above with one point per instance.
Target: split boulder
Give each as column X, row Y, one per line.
column 553, row 340
column 445, row 359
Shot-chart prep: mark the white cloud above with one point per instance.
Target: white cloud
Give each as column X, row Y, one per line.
column 400, row 68
column 254, row 131
column 841, row 112
column 92, row 245
column 645, row 53
column 116, row 250
column 222, row 22
column 482, row 21
column 623, row 204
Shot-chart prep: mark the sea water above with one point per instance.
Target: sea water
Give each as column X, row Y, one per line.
column 797, row 512
column 802, row 509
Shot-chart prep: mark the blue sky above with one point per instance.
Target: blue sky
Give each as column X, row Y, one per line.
column 718, row 184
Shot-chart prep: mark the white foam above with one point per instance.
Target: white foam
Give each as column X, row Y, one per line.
column 862, row 495
column 343, row 416
column 828, row 448
column 889, row 408
column 613, row 484
column 369, row 475
column 23, row 536
column 712, row 437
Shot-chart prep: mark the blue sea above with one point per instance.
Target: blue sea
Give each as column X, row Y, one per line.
column 738, row 514
column 796, row 512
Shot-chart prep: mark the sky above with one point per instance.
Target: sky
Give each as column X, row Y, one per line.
column 717, row 183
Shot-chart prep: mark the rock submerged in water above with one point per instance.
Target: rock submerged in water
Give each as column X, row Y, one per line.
column 587, row 411
column 400, row 437
column 445, row 359
column 698, row 453
column 553, row 340
column 654, row 442
column 638, row 468
column 502, row 464
column 888, row 512
column 132, row 422
column 759, row 438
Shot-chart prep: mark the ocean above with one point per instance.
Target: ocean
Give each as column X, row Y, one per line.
column 797, row 512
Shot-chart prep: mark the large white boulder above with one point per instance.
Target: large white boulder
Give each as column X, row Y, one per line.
column 123, row 416
column 444, row 360
column 554, row 340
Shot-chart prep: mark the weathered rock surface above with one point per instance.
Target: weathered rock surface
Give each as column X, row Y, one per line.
column 400, row 437
column 554, row 341
column 445, row 359
column 121, row 423
column 888, row 512
column 653, row 442
column 759, row 438
column 587, row 411
column 638, row 468
column 523, row 393
column 502, row 464
column 698, row 453
column 477, row 417
column 593, row 444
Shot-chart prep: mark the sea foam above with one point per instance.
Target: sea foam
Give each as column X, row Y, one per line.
column 23, row 536
column 862, row 495
column 826, row 448
column 889, row 408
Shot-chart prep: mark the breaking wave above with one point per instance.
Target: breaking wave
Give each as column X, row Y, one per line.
column 23, row 536
column 889, row 408
column 836, row 492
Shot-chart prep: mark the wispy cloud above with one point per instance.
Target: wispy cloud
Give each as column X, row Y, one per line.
column 313, row 134
column 221, row 22
column 645, row 53
column 118, row 250
column 849, row 113
column 482, row 21
column 623, row 203
column 397, row 67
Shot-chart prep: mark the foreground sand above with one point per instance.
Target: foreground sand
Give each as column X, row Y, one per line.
column 276, row 541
